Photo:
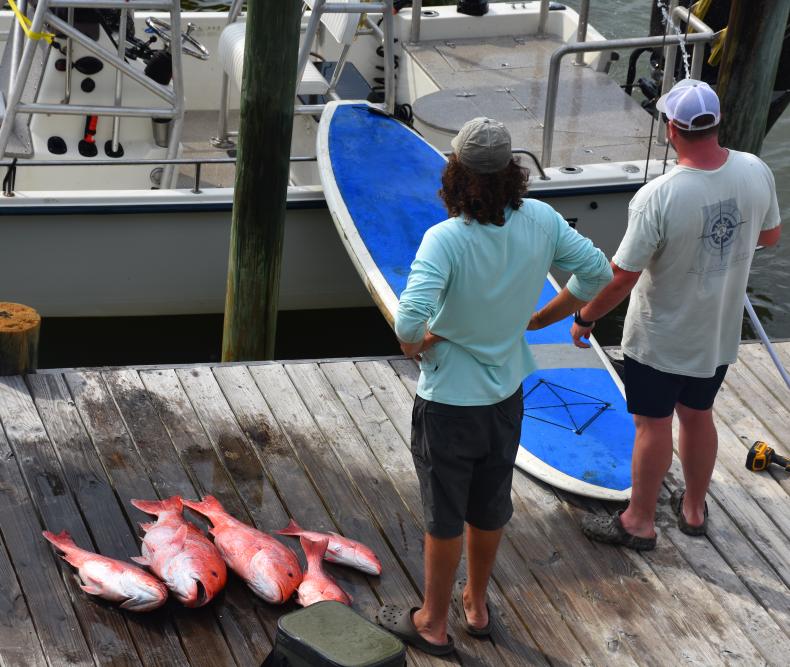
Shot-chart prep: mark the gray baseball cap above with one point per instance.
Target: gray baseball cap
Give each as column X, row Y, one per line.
column 483, row 145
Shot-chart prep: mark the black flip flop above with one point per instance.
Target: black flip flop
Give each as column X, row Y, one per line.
column 676, row 503
column 398, row 621
column 458, row 600
column 609, row 529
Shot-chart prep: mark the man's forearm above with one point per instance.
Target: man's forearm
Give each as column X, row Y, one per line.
column 610, row 296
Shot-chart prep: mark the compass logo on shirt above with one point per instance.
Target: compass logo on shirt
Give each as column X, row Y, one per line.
column 722, row 224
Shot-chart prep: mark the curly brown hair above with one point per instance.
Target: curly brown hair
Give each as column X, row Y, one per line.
column 482, row 197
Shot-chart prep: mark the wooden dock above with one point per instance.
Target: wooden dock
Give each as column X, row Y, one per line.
column 327, row 443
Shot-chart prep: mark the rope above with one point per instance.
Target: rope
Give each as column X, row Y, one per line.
column 653, row 120
column 25, row 24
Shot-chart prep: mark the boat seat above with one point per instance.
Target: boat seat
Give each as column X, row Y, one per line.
column 231, row 55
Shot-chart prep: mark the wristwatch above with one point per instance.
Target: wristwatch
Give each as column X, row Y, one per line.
column 582, row 323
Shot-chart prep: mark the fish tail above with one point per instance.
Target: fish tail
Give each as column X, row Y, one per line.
column 157, row 507
column 208, row 506
column 292, row 528
column 314, row 549
column 62, row 541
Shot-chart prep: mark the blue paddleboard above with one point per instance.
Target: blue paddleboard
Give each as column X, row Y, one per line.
column 381, row 181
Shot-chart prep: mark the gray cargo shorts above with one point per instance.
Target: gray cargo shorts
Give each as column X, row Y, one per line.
column 464, row 457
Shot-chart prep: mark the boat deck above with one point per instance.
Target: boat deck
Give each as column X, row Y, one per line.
column 326, row 443
column 507, row 78
column 199, row 127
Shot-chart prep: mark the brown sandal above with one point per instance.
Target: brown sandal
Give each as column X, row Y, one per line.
column 609, row 529
column 676, row 503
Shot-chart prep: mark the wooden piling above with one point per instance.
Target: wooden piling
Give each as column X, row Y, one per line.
column 262, row 167
column 19, row 329
column 748, row 68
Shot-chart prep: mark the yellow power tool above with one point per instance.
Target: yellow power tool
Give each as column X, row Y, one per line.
column 760, row 456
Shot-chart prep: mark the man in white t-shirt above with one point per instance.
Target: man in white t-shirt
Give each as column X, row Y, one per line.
column 686, row 255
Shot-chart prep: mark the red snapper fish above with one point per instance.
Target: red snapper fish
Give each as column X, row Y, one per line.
column 317, row 585
column 269, row 568
column 179, row 554
column 341, row 550
column 111, row 579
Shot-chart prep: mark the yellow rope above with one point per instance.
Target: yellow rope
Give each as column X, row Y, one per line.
column 25, row 23
column 718, row 48
column 700, row 9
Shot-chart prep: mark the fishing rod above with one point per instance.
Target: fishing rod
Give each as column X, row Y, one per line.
column 766, row 341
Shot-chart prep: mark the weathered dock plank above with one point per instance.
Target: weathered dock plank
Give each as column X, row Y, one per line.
column 276, row 458
column 19, row 644
column 384, row 502
column 510, row 635
column 154, row 633
column 327, row 443
column 201, row 636
column 339, row 495
column 234, row 610
column 582, row 601
column 105, row 631
column 47, row 595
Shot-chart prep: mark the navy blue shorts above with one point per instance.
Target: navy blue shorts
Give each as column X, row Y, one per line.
column 653, row 393
column 464, row 457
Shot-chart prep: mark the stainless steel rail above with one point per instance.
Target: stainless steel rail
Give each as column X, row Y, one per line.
column 522, row 151
column 14, row 165
column 581, row 31
column 116, row 121
column 87, row 110
column 157, row 89
column 544, row 17
column 221, row 140
column 604, row 45
column 416, row 18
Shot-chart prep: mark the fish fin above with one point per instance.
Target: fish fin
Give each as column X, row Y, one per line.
column 180, row 538
column 147, row 525
column 314, row 549
column 91, row 590
column 207, row 507
column 61, row 540
column 292, row 528
column 156, row 507
column 142, row 560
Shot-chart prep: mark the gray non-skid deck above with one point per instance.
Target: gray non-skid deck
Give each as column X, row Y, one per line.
column 326, row 443
column 507, row 78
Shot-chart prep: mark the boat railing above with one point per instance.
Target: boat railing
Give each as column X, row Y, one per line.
column 12, row 166
column 24, row 52
column 669, row 42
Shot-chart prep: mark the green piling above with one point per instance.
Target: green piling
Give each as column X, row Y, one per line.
column 262, row 167
column 753, row 45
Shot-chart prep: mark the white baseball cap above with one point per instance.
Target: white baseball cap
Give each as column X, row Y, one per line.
column 483, row 145
column 688, row 100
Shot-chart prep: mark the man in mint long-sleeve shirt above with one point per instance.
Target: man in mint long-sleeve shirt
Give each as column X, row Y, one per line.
column 470, row 296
